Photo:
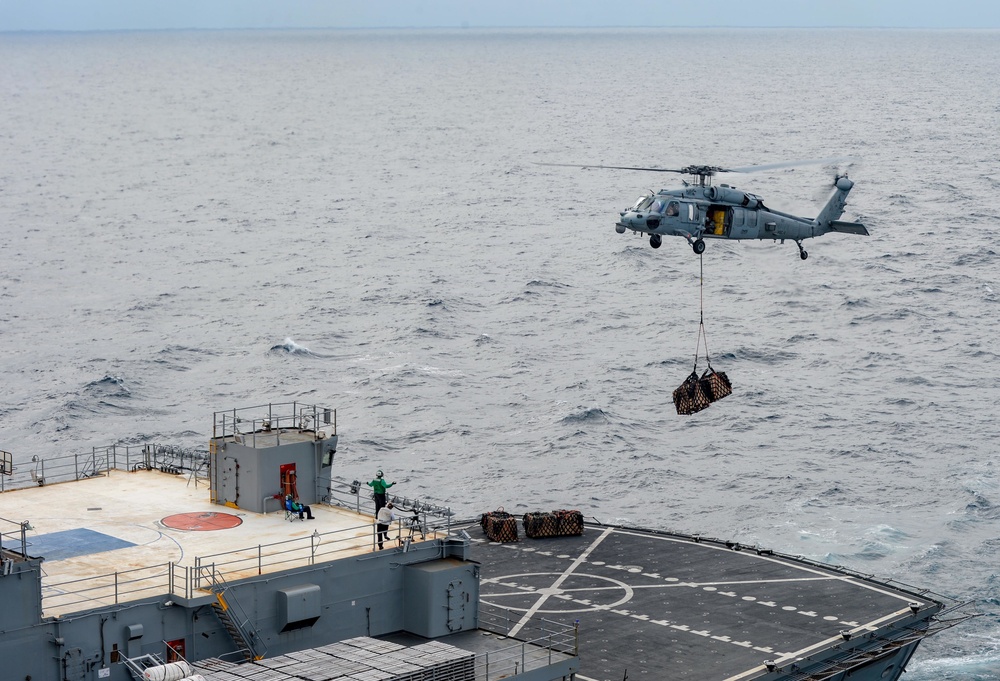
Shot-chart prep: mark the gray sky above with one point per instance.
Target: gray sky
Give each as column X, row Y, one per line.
column 89, row 15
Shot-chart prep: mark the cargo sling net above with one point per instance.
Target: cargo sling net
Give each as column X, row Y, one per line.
column 499, row 526
column 698, row 392
column 560, row 523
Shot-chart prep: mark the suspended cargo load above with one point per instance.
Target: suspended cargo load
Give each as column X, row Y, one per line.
column 499, row 526
column 690, row 397
column 697, row 393
column 715, row 384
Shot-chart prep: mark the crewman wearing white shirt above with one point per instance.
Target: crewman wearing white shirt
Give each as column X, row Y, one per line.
column 384, row 517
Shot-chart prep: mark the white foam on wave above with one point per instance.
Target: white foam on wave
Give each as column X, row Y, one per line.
column 976, row 667
column 292, row 348
column 410, row 367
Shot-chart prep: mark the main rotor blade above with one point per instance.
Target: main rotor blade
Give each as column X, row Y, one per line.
column 573, row 165
column 708, row 171
column 790, row 164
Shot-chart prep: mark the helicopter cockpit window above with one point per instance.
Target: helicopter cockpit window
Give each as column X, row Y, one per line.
column 672, row 208
column 643, row 202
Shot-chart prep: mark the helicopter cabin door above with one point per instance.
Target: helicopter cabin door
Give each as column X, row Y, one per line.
column 715, row 221
column 743, row 224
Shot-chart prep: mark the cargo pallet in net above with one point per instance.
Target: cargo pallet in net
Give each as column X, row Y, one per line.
column 499, row 526
column 695, row 393
column 561, row 523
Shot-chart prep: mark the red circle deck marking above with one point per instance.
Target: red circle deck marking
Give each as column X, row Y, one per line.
column 202, row 522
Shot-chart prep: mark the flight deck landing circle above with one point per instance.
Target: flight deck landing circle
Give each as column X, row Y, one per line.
column 577, row 592
column 202, row 522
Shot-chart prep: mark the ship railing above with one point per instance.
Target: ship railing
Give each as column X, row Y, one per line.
column 100, row 461
column 356, row 496
column 882, row 647
column 112, row 588
column 256, row 560
column 243, row 424
column 13, row 539
column 178, row 580
column 538, row 641
column 137, row 666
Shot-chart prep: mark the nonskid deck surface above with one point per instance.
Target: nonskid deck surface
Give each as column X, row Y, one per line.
column 650, row 603
column 130, row 520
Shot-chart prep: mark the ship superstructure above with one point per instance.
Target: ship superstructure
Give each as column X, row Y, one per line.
column 122, row 561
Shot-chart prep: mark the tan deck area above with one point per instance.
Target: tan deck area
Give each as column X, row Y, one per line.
column 125, row 507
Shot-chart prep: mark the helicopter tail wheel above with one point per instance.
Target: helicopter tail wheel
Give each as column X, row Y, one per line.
column 655, row 240
column 802, row 251
column 699, row 246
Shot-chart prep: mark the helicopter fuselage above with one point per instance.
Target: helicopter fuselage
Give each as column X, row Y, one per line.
column 724, row 212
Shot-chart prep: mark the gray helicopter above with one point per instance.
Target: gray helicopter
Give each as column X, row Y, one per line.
column 700, row 210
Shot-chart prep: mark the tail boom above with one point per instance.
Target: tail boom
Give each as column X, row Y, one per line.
column 829, row 220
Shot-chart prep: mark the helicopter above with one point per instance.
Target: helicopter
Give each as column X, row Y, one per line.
column 701, row 210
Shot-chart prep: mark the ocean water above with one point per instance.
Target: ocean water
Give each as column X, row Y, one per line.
column 196, row 221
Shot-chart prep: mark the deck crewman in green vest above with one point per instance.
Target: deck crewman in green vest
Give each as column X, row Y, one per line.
column 379, row 485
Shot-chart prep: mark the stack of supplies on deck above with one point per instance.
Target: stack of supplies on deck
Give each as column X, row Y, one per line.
column 499, row 526
column 561, row 523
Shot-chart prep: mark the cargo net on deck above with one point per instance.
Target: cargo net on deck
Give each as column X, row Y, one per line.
column 698, row 392
column 561, row 523
column 500, row 526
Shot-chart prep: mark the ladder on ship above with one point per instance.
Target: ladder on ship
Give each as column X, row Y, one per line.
column 229, row 611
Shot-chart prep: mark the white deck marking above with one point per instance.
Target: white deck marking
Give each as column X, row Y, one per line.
column 772, row 581
column 817, row 574
column 559, row 580
column 788, row 657
column 753, row 581
column 779, row 560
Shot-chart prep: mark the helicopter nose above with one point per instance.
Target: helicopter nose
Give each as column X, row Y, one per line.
column 636, row 220
column 644, row 221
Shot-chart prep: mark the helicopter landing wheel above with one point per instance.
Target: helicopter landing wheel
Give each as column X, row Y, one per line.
column 699, row 246
column 655, row 240
column 802, row 251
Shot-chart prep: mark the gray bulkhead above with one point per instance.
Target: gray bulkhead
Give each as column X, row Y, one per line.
column 436, row 593
column 248, row 474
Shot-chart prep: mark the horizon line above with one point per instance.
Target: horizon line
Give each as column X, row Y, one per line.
column 742, row 27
